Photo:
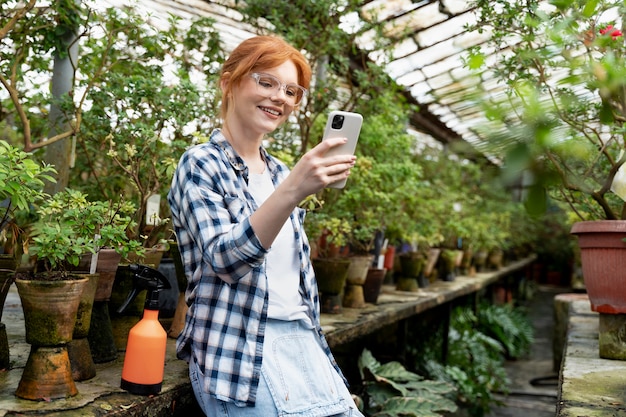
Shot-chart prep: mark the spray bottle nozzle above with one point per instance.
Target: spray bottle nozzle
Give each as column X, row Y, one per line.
column 145, row 278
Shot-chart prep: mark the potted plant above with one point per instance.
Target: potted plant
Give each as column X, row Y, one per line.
column 561, row 118
column 68, row 226
column 328, row 235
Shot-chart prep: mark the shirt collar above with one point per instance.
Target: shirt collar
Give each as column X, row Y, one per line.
column 238, row 164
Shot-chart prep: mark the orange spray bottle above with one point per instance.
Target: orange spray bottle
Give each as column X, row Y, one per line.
column 144, row 361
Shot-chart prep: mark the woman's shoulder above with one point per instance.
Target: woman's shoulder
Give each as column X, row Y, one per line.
column 205, row 151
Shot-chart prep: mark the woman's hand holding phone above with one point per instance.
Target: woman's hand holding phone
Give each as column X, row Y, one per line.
column 343, row 124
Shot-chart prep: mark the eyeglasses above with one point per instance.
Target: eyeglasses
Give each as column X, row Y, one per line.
column 268, row 84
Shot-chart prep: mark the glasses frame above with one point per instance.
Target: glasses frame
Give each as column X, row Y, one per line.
column 281, row 86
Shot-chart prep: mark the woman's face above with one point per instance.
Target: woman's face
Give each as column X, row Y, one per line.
column 260, row 107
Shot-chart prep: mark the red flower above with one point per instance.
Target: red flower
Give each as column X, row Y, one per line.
column 610, row 30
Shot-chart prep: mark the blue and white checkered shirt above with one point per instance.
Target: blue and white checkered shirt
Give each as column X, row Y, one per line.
column 224, row 262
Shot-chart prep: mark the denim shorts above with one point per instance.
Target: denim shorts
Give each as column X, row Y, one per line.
column 297, row 379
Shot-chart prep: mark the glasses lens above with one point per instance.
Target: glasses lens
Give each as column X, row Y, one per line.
column 268, row 84
column 294, row 92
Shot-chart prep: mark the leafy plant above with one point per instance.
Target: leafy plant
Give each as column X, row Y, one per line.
column 21, row 186
column 327, row 232
column 508, row 325
column 475, row 364
column 70, row 226
column 391, row 390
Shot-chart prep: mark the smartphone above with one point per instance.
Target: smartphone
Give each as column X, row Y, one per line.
column 343, row 124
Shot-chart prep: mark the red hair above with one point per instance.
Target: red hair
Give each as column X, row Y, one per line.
column 257, row 54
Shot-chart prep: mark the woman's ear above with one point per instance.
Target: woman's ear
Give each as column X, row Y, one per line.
column 224, row 82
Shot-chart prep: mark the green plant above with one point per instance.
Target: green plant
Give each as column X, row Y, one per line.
column 326, row 232
column 391, row 390
column 21, row 186
column 70, row 226
column 507, row 324
column 475, row 364
column 561, row 114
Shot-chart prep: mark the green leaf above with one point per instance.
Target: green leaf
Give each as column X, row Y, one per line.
column 590, row 8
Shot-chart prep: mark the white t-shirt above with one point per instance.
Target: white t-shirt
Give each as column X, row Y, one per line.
column 282, row 261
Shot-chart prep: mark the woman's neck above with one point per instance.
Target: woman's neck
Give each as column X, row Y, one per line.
column 247, row 148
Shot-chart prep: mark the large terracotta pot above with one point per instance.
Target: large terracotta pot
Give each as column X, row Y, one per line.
column 50, row 309
column 603, row 259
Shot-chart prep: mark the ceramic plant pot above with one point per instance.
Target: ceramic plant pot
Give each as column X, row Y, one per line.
column 50, row 310
column 357, row 274
column 373, row 284
column 412, row 266
column 81, row 360
column 100, row 333
column 446, row 264
column 603, row 260
column 331, row 275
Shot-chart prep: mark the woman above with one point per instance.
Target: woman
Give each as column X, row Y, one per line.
column 252, row 334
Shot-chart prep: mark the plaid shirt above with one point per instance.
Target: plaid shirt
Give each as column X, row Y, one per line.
column 224, row 263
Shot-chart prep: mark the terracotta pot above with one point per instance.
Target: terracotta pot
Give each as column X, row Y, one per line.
column 357, row 274
column 431, row 261
column 100, row 335
column 412, row 264
column 480, row 259
column 446, row 264
column 50, row 309
column 603, row 259
column 407, row 284
column 106, row 267
column 331, row 274
column 8, row 264
column 82, row 364
column 466, row 263
column 373, row 284
column 390, row 256
column 47, row 375
column 357, row 271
